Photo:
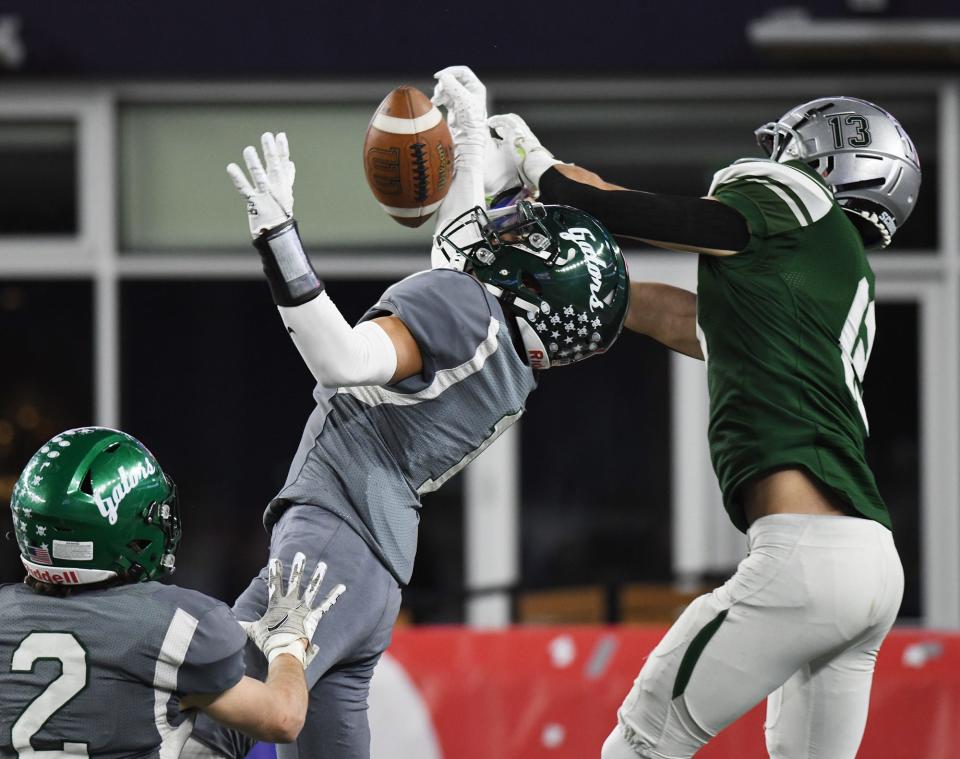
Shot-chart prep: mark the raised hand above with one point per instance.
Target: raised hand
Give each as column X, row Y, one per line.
column 270, row 195
column 290, row 620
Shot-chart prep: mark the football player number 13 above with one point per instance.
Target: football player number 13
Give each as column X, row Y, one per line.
column 55, row 646
column 856, row 343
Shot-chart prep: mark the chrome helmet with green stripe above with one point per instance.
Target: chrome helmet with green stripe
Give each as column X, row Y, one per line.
column 93, row 505
column 556, row 269
column 861, row 151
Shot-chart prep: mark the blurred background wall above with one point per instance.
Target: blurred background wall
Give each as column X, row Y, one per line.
column 130, row 296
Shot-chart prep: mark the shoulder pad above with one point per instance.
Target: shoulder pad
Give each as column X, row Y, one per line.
column 807, row 199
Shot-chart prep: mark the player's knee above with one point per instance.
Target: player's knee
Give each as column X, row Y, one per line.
column 616, row 747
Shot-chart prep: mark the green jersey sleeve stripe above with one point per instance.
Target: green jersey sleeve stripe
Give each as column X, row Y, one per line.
column 811, row 195
column 789, row 197
column 768, row 208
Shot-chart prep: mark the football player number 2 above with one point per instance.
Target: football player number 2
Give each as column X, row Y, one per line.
column 66, row 649
column 856, row 343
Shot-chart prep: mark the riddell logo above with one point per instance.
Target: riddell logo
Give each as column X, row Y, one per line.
column 128, row 481
column 54, row 578
column 536, row 358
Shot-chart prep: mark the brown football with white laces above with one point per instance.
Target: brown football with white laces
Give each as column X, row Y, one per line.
column 408, row 156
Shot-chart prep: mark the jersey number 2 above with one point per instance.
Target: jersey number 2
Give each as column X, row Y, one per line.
column 856, row 343
column 66, row 649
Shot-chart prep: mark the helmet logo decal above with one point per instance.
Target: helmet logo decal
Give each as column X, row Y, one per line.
column 579, row 236
column 128, row 481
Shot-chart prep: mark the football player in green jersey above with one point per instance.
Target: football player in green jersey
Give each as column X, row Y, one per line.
column 784, row 319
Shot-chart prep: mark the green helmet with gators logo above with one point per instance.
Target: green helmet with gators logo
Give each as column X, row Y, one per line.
column 93, row 505
column 557, row 269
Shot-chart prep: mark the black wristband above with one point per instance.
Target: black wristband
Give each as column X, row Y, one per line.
column 289, row 272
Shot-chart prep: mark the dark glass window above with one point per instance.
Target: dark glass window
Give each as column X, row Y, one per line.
column 892, row 398
column 46, row 385
column 39, row 161
column 212, row 384
column 595, row 456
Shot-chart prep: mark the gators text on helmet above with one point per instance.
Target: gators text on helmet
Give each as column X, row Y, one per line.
column 557, row 269
column 93, row 505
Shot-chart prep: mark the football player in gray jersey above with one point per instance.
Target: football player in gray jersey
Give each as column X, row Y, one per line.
column 96, row 659
column 434, row 371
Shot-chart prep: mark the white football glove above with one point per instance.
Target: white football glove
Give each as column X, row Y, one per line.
column 289, row 622
column 270, row 197
column 499, row 167
column 465, row 97
column 530, row 157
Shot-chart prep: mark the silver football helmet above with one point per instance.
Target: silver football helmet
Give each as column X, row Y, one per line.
column 861, row 151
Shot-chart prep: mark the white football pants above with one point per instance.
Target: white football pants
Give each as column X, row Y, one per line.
column 801, row 621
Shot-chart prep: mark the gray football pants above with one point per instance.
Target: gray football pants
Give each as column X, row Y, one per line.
column 351, row 637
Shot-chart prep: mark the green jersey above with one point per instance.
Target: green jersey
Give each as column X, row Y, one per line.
column 786, row 328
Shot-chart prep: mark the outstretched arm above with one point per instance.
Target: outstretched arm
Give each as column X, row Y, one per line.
column 667, row 314
column 272, row 711
column 372, row 353
column 697, row 225
column 275, row 710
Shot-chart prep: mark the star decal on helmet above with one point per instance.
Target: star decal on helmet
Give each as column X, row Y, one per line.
column 555, row 334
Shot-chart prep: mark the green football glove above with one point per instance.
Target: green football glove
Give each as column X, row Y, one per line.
column 288, row 625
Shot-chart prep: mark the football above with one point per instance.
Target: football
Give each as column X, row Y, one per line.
column 408, row 156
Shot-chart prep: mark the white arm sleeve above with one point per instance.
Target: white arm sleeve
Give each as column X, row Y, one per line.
column 466, row 191
column 337, row 354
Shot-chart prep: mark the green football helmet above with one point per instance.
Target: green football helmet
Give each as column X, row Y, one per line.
column 557, row 269
column 93, row 505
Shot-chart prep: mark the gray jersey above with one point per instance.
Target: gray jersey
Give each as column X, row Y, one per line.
column 369, row 453
column 100, row 672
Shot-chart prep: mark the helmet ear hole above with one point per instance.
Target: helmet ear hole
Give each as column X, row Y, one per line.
column 530, row 282
column 86, row 486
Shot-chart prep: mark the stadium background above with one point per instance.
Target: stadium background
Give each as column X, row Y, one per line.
column 129, row 295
